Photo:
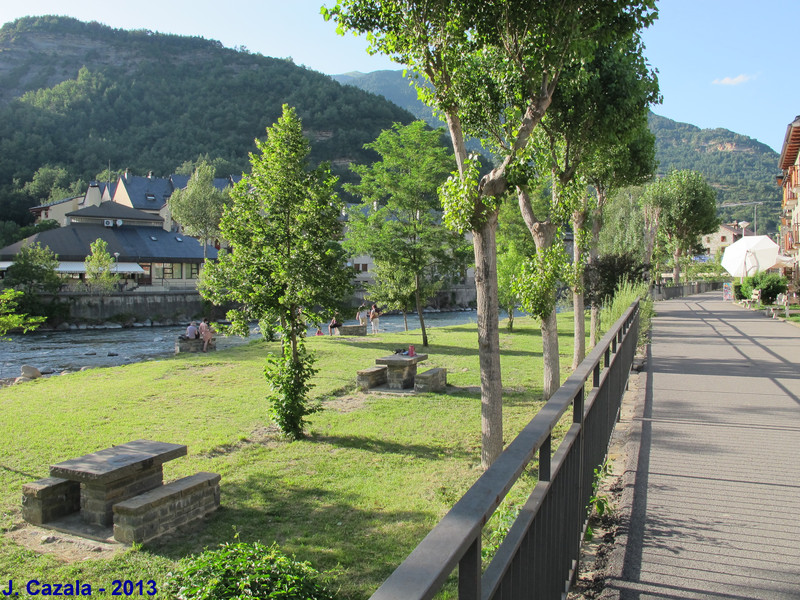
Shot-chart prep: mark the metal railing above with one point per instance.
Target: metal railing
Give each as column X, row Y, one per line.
column 668, row 292
column 539, row 555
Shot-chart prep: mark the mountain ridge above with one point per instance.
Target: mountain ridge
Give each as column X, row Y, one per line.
column 741, row 169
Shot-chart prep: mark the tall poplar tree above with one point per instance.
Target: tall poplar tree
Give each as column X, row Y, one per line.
column 493, row 66
column 285, row 263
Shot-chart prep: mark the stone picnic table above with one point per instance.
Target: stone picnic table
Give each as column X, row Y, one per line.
column 115, row 474
column 401, row 369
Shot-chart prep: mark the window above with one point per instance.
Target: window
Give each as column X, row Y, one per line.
column 724, row 238
column 167, row 270
column 194, row 270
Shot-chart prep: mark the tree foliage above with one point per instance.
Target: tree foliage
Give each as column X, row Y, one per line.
column 199, row 207
column 491, row 68
column 11, row 318
column 100, row 275
column 33, row 273
column 687, row 209
column 285, row 264
column 399, row 220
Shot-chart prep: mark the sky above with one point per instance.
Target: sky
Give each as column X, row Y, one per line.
column 720, row 63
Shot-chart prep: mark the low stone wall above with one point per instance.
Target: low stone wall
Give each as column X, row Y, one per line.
column 50, row 498
column 371, row 377
column 432, row 380
column 353, row 330
column 179, row 305
column 195, row 345
column 162, row 510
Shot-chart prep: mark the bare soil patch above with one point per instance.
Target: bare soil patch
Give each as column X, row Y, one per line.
column 62, row 546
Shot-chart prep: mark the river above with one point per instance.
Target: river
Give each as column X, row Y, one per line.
column 72, row 350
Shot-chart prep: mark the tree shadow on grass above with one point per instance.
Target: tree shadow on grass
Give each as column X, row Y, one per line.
column 387, row 348
column 358, row 442
column 360, row 544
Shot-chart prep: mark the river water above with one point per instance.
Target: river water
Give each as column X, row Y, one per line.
column 72, row 350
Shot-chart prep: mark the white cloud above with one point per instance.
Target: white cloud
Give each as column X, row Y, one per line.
column 738, row 80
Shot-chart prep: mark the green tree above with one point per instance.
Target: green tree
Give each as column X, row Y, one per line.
column 493, row 67
column 286, row 264
column 598, row 107
column 398, row 223
column 687, row 208
column 392, row 288
column 628, row 162
column 10, row 318
column 99, row 266
column 50, row 184
column 199, row 207
column 33, row 272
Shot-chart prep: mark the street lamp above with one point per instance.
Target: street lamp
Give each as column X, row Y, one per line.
column 743, row 225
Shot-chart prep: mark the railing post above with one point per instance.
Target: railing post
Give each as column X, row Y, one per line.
column 577, row 407
column 596, row 376
column 544, row 459
column 469, row 572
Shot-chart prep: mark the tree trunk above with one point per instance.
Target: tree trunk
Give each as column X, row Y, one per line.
column 594, row 326
column 544, row 233
column 552, row 373
column 511, row 318
column 419, row 311
column 597, row 225
column 578, row 305
column 676, row 266
column 489, row 342
column 405, row 318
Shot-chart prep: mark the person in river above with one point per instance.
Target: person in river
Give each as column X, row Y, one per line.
column 192, row 332
column 206, row 333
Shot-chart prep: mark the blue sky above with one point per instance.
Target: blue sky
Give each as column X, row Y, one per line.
column 721, row 63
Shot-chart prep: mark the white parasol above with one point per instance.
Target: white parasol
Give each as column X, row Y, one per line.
column 750, row 255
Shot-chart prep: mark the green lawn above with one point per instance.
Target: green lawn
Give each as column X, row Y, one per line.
column 371, row 479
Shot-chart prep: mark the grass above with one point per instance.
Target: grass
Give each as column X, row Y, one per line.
column 373, row 476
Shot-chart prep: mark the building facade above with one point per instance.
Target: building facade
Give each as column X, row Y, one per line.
column 789, row 181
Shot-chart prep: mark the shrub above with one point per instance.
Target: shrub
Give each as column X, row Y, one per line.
column 240, row 570
column 770, row 284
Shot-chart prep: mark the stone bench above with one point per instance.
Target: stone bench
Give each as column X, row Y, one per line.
column 165, row 508
column 195, row 345
column 432, row 380
column 372, row 377
column 49, row 499
column 353, row 330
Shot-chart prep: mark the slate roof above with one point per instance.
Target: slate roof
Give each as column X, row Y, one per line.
column 134, row 244
column 181, row 181
column 114, row 210
column 147, row 193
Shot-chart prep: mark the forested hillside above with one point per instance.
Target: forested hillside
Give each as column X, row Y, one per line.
column 739, row 168
column 80, row 95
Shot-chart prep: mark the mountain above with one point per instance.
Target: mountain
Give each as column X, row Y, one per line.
column 740, row 168
column 77, row 95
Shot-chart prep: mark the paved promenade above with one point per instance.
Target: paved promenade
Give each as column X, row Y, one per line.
column 713, row 476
